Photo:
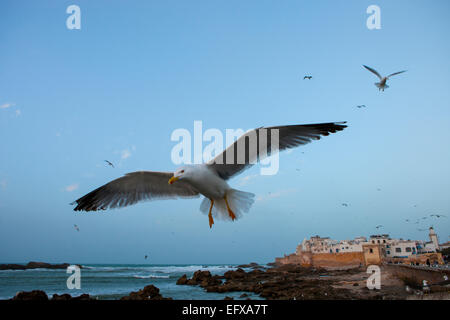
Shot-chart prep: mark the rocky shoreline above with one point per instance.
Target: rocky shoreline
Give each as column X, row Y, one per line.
column 34, row 265
column 293, row 282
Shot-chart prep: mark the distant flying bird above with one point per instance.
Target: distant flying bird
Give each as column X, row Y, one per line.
column 207, row 179
column 361, row 106
column 145, row 257
column 109, row 163
column 345, row 205
column 382, row 84
column 423, row 218
column 407, row 220
column 438, row 215
column 378, row 189
column 379, row 226
column 76, row 227
column 307, row 77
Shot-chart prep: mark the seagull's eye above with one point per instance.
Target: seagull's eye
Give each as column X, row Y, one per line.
column 182, row 171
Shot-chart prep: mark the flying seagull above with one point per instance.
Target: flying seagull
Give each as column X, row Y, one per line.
column 146, row 256
column 207, row 179
column 379, row 226
column 76, row 227
column 438, row 215
column 307, row 77
column 345, row 205
column 361, row 106
column 382, row 84
column 109, row 163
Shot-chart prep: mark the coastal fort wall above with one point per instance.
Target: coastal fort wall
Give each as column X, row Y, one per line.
column 379, row 249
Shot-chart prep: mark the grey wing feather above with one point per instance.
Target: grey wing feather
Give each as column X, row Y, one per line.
column 132, row 188
column 395, row 73
column 373, row 71
column 248, row 146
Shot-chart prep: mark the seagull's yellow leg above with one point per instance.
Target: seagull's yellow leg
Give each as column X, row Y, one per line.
column 230, row 212
column 211, row 220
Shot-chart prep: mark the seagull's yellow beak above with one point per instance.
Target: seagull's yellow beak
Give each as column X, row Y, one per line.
column 173, row 179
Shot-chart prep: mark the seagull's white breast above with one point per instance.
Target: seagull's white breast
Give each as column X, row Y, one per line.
column 207, row 182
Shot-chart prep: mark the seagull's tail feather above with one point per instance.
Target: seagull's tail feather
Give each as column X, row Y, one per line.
column 380, row 86
column 240, row 202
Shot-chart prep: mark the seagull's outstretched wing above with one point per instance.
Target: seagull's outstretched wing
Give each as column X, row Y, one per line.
column 132, row 188
column 373, row 71
column 246, row 150
column 393, row 74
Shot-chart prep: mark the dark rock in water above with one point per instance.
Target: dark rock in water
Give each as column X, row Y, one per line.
column 199, row 276
column 182, row 280
column 61, row 297
column 39, row 295
column 202, row 278
column 228, row 298
column 36, row 295
column 243, row 295
column 34, row 265
column 250, row 265
column 149, row 292
column 66, row 296
column 239, row 273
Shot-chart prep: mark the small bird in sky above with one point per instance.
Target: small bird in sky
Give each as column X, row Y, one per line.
column 146, row 256
column 438, row 215
column 345, row 205
column 361, row 106
column 423, row 218
column 109, row 163
column 307, row 77
column 378, row 189
column 407, row 220
column 76, row 227
column 379, row 226
column 382, row 84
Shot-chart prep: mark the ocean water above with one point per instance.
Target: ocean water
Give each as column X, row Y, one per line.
column 111, row 282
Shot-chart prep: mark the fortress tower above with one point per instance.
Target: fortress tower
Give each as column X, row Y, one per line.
column 434, row 238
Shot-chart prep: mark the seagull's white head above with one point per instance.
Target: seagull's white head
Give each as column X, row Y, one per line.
column 180, row 173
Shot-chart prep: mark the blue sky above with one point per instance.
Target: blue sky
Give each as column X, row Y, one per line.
column 136, row 71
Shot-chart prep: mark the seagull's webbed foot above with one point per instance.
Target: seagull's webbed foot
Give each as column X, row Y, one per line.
column 230, row 212
column 211, row 220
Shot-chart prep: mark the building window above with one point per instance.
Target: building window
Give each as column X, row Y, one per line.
column 373, row 241
column 384, row 241
column 408, row 249
column 398, row 249
column 378, row 241
column 371, row 250
column 388, row 246
column 337, row 250
column 388, row 252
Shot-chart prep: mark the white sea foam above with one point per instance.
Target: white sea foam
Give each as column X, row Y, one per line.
column 151, row 276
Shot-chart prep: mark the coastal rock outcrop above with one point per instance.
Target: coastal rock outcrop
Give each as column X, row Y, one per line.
column 34, row 265
column 149, row 292
column 202, row 278
column 39, row 295
column 36, row 295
